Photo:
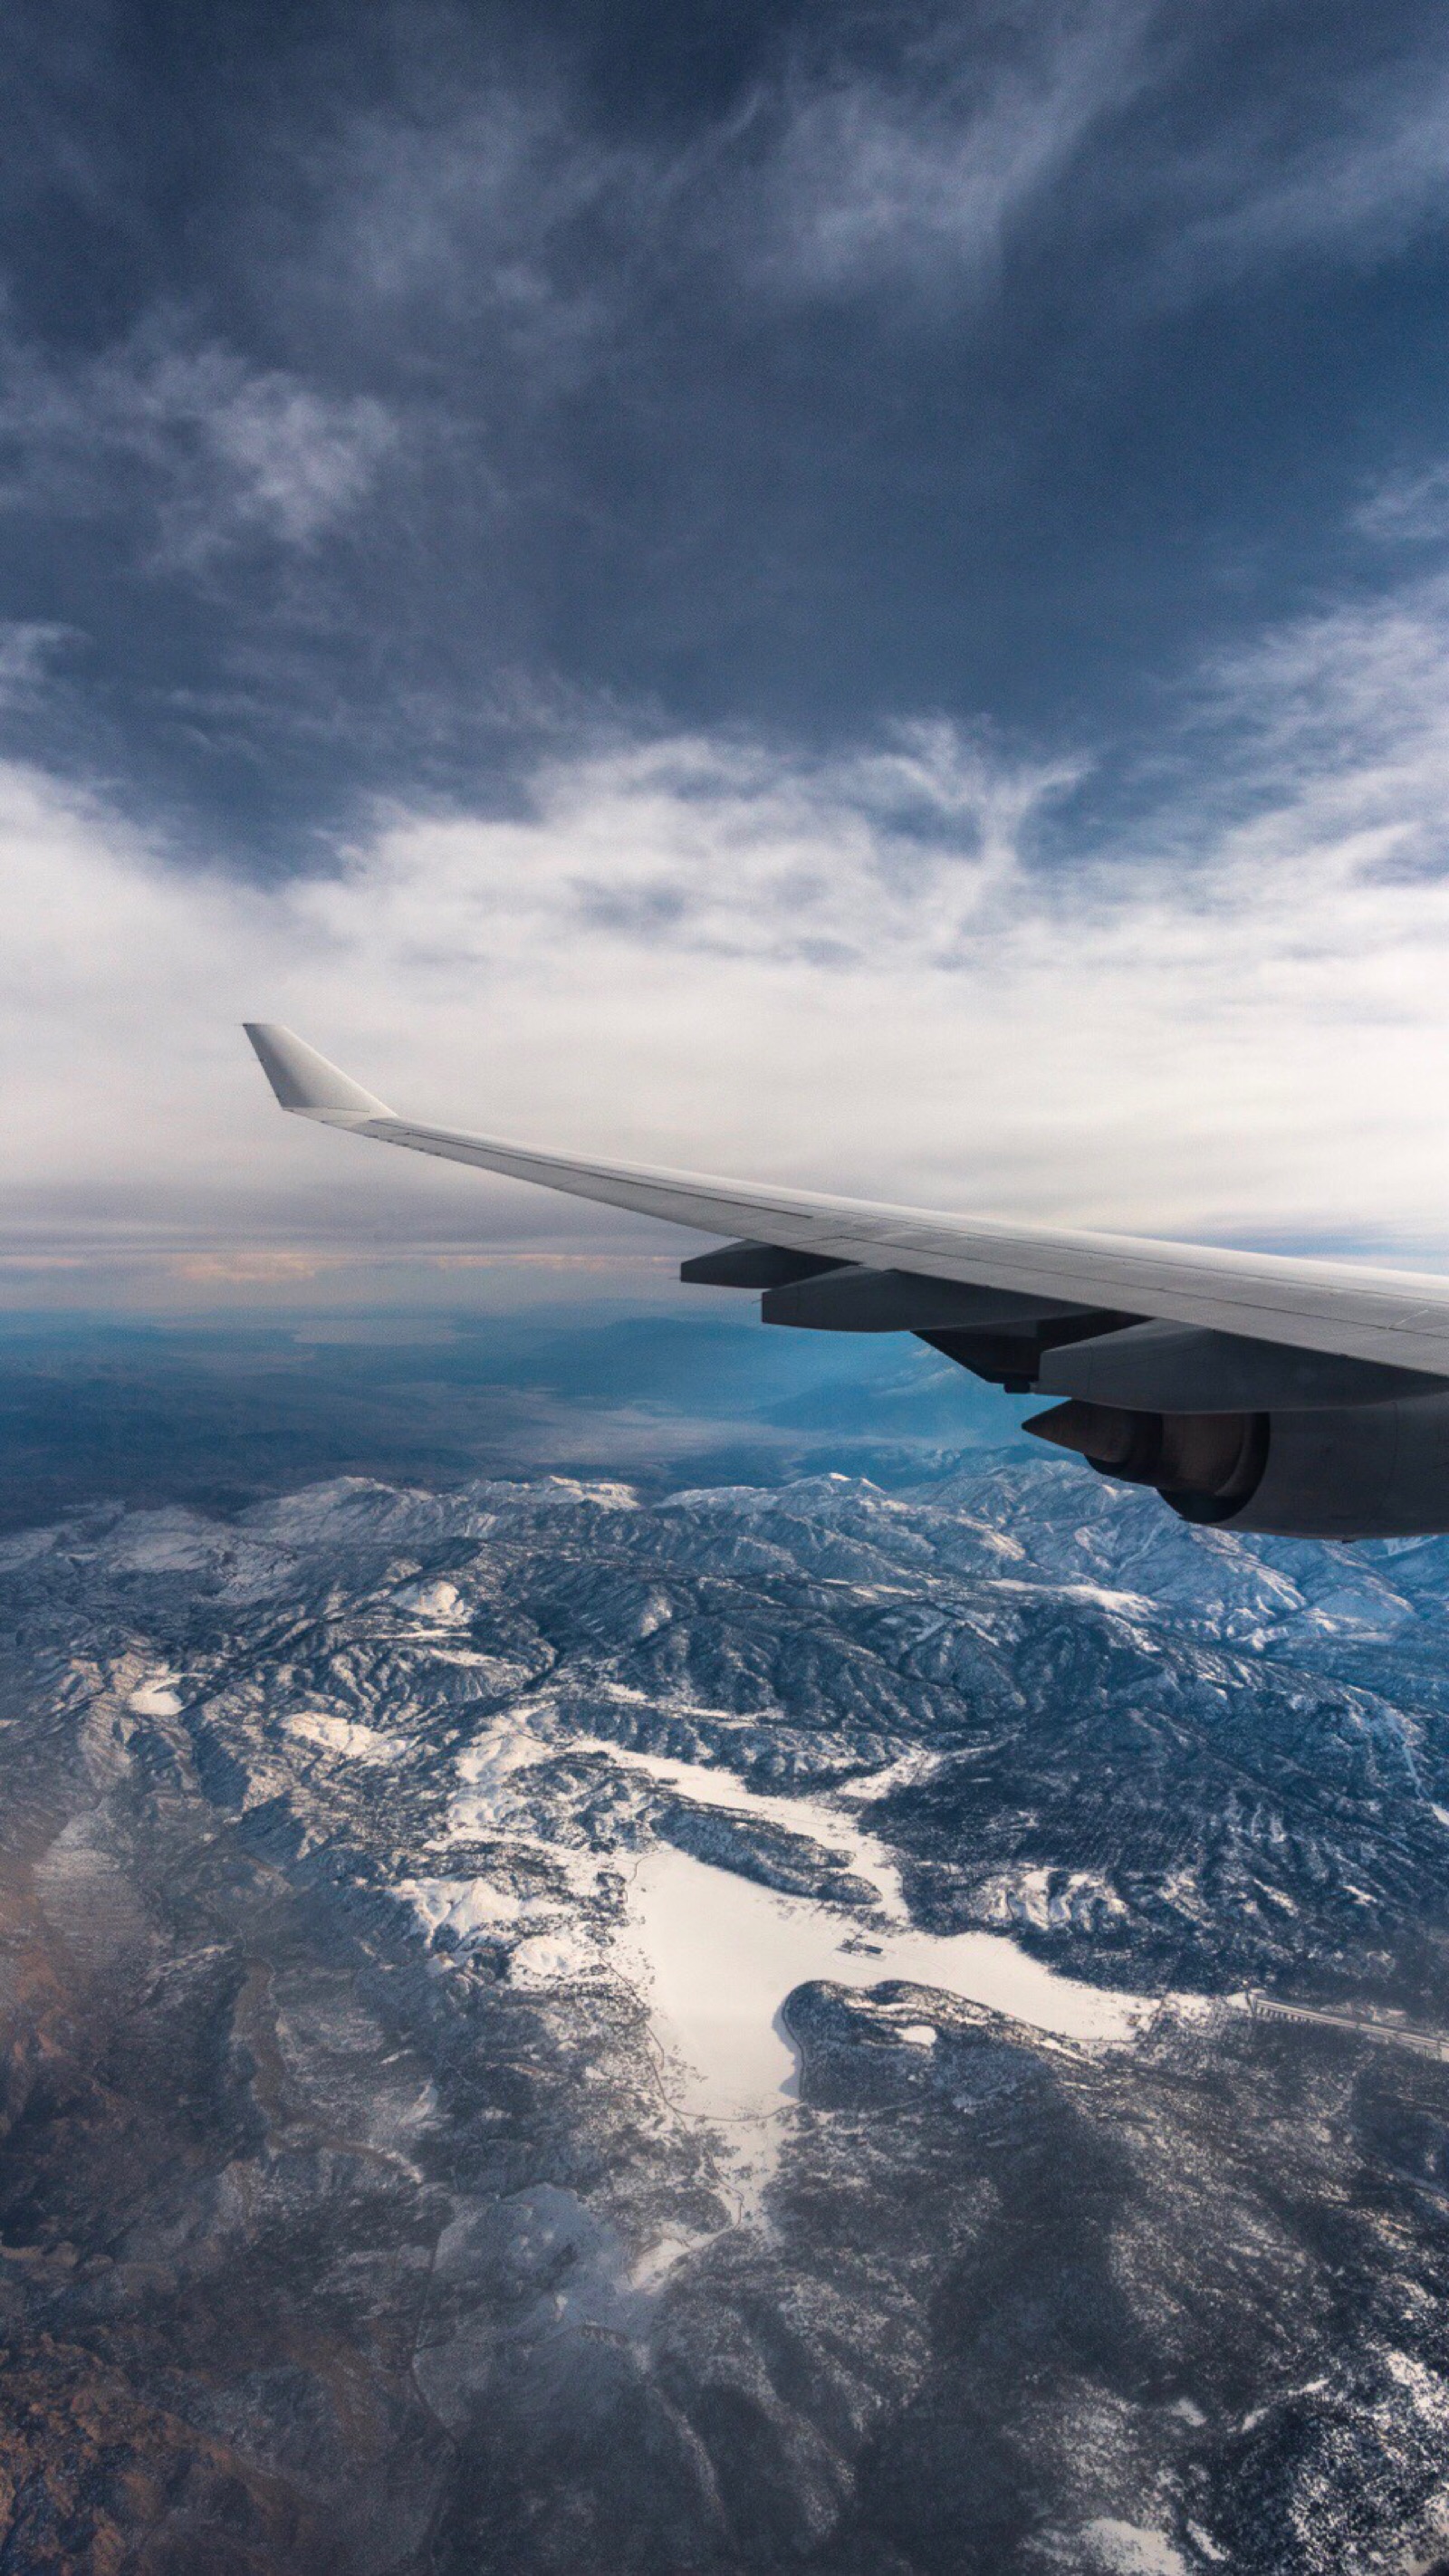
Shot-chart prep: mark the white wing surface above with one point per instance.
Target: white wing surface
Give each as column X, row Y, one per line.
column 1397, row 1318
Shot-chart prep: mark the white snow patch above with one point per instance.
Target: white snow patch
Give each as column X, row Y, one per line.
column 170, row 1540
column 1130, row 2549
column 437, row 1600
column 340, row 1735
column 1126, row 1605
column 809, row 1817
column 555, row 1958
column 469, row 1908
column 487, row 1773
column 156, row 1696
column 1180, row 1889
column 912, row 1767
column 464, row 1904
column 26, row 1547
column 658, row 2260
column 1260, row 2414
column 1025, row 1895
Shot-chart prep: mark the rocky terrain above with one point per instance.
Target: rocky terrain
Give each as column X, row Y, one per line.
column 553, row 2028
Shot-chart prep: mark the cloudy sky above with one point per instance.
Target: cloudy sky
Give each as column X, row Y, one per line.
column 859, row 595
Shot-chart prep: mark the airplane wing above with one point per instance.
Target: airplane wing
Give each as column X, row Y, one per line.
column 1398, row 1318
column 1251, row 1390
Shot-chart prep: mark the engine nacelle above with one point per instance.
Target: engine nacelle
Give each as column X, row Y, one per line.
column 1349, row 1471
column 1364, row 1471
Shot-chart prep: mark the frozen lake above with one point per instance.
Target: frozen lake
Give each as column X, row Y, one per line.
column 718, row 1955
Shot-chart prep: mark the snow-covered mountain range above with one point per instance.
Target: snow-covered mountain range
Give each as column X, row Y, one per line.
column 551, row 2029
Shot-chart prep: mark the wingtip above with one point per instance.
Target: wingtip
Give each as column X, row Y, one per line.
column 305, row 1081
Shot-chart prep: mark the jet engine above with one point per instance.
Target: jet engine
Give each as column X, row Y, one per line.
column 1230, row 1429
column 1370, row 1470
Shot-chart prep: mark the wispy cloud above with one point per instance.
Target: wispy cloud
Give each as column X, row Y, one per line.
column 870, row 176
column 203, row 449
column 1104, row 121
column 1358, row 177
column 861, row 154
column 496, row 220
column 865, row 155
column 1407, row 508
column 27, row 648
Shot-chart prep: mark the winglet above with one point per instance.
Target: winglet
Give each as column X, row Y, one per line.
column 304, row 1081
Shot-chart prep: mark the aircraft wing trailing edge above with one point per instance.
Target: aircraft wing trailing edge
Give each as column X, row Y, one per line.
column 1252, row 1390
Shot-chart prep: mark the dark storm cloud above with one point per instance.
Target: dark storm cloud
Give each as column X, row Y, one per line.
column 381, row 392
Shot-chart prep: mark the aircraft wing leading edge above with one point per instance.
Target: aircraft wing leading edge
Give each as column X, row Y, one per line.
column 1398, row 1318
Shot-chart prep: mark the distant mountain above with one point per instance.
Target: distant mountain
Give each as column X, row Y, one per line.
column 221, row 1412
column 554, row 2028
